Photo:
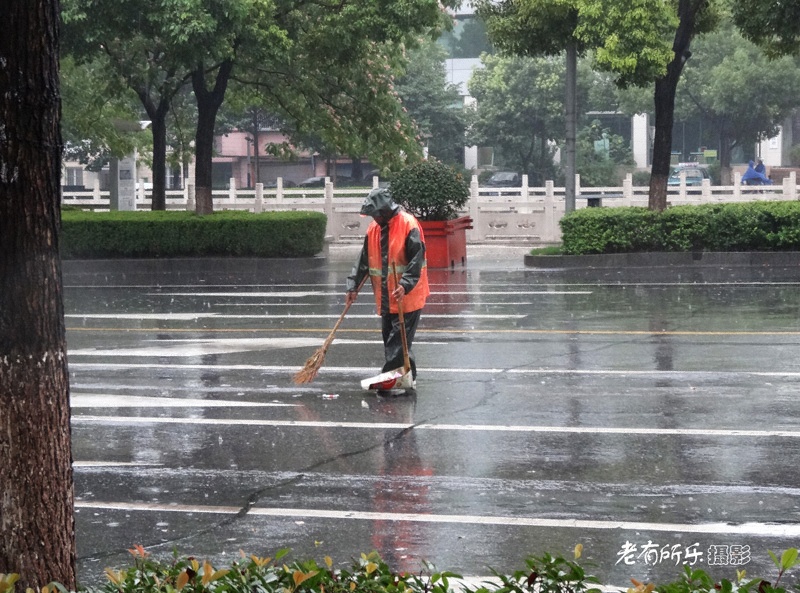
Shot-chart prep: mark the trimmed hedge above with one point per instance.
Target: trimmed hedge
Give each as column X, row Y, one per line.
column 751, row 226
column 94, row 235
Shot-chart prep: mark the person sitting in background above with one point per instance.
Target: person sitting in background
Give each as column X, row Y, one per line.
column 753, row 177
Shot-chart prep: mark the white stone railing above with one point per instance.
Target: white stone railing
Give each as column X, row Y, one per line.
column 500, row 215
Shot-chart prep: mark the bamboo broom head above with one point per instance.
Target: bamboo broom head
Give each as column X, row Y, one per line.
column 310, row 369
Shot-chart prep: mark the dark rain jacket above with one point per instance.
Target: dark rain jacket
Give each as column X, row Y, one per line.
column 382, row 208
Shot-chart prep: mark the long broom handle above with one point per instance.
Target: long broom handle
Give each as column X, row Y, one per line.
column 347, row 308
column 403, row 339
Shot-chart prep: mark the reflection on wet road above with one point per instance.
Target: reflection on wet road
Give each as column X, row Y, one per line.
column 656, row 421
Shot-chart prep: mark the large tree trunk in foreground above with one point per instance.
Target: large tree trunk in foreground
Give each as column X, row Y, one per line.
column 37, row 533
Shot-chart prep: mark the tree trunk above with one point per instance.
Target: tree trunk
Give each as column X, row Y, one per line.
column 208, row 103
column 158, row 127
column 256, row 141
column 357, row 171
column 662, row 141
column 726, row 145
column 665, row 102
column 37, row 531
column 571, row 112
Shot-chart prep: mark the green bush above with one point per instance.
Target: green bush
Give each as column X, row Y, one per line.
column 641, row 178
column 92, row 235
column 752, row 226
column 430, row 190
column 370, row 574
column 252, row 574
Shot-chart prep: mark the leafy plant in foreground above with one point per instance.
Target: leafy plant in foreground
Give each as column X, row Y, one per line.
column 699, row 581
column 547, row 574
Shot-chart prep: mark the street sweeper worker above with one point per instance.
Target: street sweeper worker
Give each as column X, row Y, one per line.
column 393, row 237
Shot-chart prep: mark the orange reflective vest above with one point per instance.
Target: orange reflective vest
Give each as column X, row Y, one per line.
column 399, row 226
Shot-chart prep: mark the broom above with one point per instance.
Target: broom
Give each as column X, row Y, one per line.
column 310, row 369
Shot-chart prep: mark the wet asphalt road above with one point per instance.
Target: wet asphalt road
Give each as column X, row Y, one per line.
column 651, row 415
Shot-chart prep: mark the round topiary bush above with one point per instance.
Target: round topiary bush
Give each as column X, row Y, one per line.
column 430, row 190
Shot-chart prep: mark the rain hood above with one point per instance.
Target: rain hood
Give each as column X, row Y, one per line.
column 379, row 204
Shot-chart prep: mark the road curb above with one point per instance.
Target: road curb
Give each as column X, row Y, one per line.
column 697, row 259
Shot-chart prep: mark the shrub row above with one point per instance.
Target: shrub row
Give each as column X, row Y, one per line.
column 370, row 574
column 752, row 226
column 92, row 235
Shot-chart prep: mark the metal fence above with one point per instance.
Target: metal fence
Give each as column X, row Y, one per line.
column 500, row 215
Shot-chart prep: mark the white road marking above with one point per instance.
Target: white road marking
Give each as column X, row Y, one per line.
column 200, row 347
column 174, row 316
column 335, row 285
column 647, row 431
column 103, row 400
column 448, row 371
column 115, row 464
column 284, row 342
column 371, row 304
column 784, row 530
column 267, row 316
column 191, row 348
column 296, row 294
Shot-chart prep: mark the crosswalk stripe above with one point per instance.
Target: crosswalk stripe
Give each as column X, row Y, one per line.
column 757, row 529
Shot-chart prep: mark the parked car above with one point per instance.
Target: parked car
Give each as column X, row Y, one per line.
column 694, row 175
column 504, row 179
column 274, row 184
column 312, row 182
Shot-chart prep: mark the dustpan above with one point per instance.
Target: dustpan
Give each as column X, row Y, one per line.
column 400, row 378
column 396, row 379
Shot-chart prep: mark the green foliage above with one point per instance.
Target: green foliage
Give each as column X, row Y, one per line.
column 468, row 41
column 253, row 574
column 520, row 104
column 641, row 178
column 735, row 91
column 547, row 574
column 549, row 250
column 530, row 27
column 89, row 115
column 773, row 24
column 317, row 69
column 370, row 574
column 183, row 234
column 699, row 581
column 434, row 104
column 715, row 171
column 794, row 155
column 599, row 153
column 753, row 226
column 632, row 40
column 7, row 582
column 608, row 230
column 430, row 190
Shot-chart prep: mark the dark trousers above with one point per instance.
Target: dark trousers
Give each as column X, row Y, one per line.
column 393, row 343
